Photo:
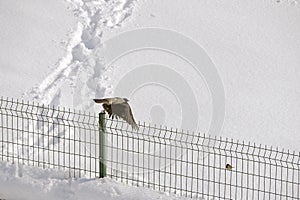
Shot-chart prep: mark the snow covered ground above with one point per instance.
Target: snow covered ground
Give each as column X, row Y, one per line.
column 58, row 56
column 32, row 38
column 23, row 182
column 55, row 52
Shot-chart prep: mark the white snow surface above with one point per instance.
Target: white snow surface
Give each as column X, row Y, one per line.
column 23, row 182
column 53, row 58
column 32, row 38
column 49, row 53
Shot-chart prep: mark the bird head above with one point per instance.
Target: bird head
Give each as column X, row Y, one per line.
column 125, row 99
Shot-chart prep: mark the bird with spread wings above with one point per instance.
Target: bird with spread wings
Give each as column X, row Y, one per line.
column 118, row 107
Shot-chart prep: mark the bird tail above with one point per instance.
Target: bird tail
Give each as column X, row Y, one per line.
column 135, row 126
column 100, row 100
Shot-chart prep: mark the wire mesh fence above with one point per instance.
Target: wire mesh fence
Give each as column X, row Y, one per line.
column 45, row 136
column 169, row 160
column 199, row 166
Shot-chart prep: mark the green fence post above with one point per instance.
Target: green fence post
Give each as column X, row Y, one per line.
column 102, row 145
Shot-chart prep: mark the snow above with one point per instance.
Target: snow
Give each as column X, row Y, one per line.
column 24, row 182
column 32, row 40
column 53, row 52
column 255, row 48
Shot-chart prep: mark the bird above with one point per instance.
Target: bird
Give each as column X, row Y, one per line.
column 229, row 167
column 118, row 107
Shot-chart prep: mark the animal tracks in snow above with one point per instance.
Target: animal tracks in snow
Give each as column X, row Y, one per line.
column 80, row 70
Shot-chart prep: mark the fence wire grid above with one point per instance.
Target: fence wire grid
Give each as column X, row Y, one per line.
column 188, row 164
column 45, row 136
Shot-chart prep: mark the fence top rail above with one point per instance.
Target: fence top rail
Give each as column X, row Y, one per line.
column 161, row 133
column 31, row 109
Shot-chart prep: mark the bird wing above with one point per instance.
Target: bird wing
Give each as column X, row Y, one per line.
column 123, row 110
column 107, row 108
column 101, row 100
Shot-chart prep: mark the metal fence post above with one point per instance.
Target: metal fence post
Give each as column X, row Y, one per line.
column 102, row 145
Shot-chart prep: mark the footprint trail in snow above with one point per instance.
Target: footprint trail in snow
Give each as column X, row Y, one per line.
column 79, row 72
